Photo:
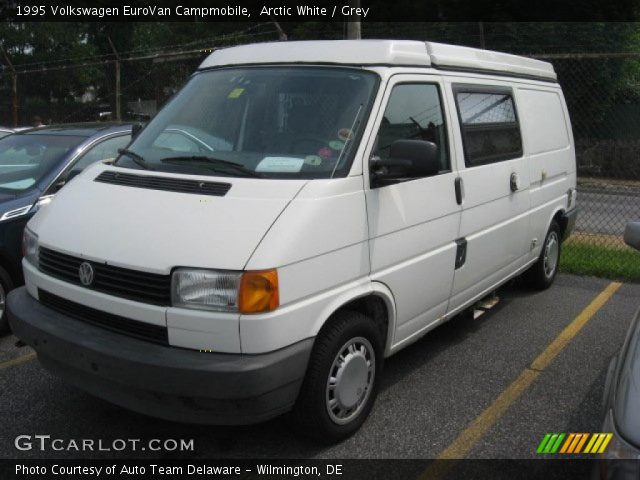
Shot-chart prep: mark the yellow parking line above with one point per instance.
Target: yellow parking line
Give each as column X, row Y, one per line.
column 561, row 341
column 17, row 361
column 467, row 439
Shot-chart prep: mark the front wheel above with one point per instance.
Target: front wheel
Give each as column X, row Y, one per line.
column 543, row 272
column 342, row 378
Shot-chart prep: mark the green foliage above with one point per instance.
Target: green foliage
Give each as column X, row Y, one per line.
column 43, row 42
column 597, row 87
column 616, row 263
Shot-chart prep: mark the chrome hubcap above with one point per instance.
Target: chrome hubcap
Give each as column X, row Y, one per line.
column 551, row 252
column 350, row 380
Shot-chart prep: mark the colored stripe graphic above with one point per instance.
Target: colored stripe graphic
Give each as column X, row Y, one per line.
column 599, row 441
column 572, row 443
column 592, row 440
column 567, row 443
column 605, row 443
column 576, row 440
column 556, row 446
column 543, row 443
column 550, row 443
column 583, row 439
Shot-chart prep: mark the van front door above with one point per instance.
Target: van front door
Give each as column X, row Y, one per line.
column 495, row 189
column 413, row 222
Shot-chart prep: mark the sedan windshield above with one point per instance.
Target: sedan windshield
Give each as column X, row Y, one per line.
column 25, row 159
column 276, row 122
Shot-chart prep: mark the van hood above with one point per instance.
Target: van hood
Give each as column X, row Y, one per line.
column 156, row 230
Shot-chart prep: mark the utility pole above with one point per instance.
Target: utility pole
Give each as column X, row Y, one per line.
column 354, row 26
column 14, row 86
column 117, row 64
column 481, row 28
column 282, row 36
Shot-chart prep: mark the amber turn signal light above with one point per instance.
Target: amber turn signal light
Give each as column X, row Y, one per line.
column 258, row 292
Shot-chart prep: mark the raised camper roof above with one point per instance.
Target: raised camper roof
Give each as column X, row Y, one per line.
column 382, row 52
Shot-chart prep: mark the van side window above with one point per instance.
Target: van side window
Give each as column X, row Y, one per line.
column 489, row 125
column 414, row 112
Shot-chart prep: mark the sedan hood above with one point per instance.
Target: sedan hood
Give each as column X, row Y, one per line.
column 12, row 201
column 626, row 406
column 155, row 230
column 6, row 196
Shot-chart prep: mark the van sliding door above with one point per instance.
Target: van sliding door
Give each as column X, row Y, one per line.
column 494, row 177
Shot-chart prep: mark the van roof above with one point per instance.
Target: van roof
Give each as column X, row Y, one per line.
column 382, row 52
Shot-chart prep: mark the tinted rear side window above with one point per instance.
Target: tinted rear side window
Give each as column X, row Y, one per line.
column 489, row 125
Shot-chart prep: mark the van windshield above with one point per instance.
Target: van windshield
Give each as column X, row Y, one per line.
column 273, row 122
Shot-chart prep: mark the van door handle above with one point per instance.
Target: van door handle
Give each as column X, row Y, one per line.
column 457, row 183
column 513, row 182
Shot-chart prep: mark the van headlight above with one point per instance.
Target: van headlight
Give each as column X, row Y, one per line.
column 225, row 291
column 30, row 248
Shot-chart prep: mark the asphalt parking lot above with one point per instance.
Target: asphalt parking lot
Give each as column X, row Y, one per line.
column 433, row 396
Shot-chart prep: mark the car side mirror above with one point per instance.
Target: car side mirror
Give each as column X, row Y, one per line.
column 632, row 235
column 73, row 173
column 55, row 188
column 62, row 181
column 136, row 128
column 407, row 159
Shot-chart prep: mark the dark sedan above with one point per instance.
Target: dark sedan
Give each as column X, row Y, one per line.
column 5, row 131
column 34, row 165
column 622, row 397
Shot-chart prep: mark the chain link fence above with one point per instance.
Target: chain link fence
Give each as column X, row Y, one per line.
column 85, row 89
column 602, row 93
column 598, row 66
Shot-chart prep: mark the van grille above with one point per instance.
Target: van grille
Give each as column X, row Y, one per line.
column 108, row 321
column 170, row 184
column 121, row 282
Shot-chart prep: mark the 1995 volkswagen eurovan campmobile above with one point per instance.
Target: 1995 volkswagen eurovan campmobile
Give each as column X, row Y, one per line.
column 295, row 214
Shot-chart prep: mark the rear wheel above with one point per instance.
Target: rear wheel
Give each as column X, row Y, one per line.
column 543, row 272
column 5, row 286
column 342, row 378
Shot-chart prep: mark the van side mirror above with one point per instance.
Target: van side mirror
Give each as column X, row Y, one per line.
column 632, row 235
column 135, row 129
column 407, row 159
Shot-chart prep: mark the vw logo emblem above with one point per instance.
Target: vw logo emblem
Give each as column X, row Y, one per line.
column 85, row 272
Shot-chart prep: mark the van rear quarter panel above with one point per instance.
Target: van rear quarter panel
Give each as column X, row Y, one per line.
column 548, row 144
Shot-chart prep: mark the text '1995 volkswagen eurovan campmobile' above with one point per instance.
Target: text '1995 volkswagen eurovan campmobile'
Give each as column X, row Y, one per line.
column 297, row 213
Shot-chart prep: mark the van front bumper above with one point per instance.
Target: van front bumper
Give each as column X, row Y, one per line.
column 167, row 382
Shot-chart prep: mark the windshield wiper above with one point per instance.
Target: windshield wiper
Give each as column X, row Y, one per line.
column 238, row 167
column 138, row 159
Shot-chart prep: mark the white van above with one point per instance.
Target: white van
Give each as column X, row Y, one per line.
column 298, row 212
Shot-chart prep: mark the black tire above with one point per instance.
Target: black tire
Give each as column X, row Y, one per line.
column 542, row 274
column 5, row 286
column 311, row 416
